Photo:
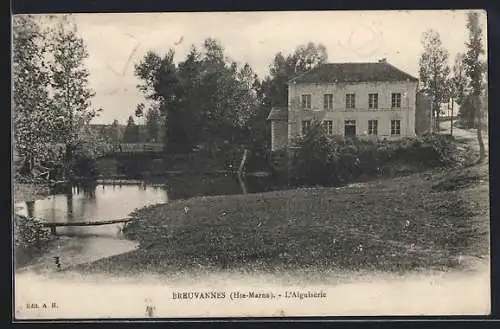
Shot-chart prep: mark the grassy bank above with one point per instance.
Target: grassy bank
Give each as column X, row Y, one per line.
column 425, row 220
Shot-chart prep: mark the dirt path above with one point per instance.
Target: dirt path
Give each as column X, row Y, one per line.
column 467, row 135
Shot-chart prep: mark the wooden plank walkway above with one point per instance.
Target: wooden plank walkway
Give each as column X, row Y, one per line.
column 54, row 225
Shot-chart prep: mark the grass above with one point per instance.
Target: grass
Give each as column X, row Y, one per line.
column 421, row 221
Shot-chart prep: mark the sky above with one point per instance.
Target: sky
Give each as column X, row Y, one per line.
column 116, row 42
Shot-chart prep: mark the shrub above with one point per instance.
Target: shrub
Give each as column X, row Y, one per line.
column 331, row 160
column 30, row 237
column 83, row 162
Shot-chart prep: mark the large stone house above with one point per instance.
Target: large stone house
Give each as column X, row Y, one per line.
column 372, row 100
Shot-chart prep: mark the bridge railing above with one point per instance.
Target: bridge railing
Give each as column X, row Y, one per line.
column 135, row 147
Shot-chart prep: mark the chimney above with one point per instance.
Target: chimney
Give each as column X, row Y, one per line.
column 383, row 60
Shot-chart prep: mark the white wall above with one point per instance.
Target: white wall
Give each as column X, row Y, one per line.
column 384, row 114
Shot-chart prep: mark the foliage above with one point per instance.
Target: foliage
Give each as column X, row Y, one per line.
column 304, row 58
column 467, row 113
column 206, row 98
column 32, row 118
column 70, row 85
column 330, row 160
column 115, row 131
column 83, row 162
column 434, row 71
column 131, row 133
column 51, row 96
column 30, row 236
column 209, row 99
column 153, row 124
column 458, row 82
column 475, row 68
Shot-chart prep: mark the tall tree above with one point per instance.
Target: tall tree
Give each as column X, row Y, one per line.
column 207, row 98
column 160, row 85
column 458, row 80
column 434, row 71
column 457, row 84
column 32, row 119
column 153, row 121
column 69, row 83
column 115, row 131
column 304, row 58
column 131, row 133
column 474, row 68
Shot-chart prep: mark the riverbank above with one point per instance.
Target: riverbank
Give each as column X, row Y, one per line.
column 430, row 220
column 29, row 191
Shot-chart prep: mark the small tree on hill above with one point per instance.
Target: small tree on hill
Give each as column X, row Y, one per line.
column 475, row 69
column 434, row 71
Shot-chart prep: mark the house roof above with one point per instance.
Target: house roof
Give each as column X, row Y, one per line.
column 353, row 72
column 278, row 113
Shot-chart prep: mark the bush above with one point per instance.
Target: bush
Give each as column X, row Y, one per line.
column 330, row 160
column 83, row 163
column 30, row 237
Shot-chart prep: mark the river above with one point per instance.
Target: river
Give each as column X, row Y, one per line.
column 105, row 200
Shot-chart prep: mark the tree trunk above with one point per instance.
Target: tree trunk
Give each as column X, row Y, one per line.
column 437, row 119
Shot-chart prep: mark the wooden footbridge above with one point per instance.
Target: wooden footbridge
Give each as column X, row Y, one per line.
column 54, row 225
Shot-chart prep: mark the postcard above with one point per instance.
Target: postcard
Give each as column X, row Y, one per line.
column 250, row 164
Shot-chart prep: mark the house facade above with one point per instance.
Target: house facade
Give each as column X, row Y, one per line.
column 371, row 100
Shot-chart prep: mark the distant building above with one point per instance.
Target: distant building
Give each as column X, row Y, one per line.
column 375, row 100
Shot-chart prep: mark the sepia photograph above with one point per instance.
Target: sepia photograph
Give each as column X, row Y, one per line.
column 250, row 164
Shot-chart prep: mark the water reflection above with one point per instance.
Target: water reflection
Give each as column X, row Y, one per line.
column 93, row 203
column 106, row 201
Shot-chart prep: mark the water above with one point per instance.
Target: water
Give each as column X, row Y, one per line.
column 107, row 201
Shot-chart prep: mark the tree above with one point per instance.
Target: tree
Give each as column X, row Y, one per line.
column 457, row 85
column 32, row 119
column 131, row 133
column 458, row 80
column 207, row 98
column 153, row 121
column 160, row 85
column 69, row 83
column 434, row 71
column 304, row 58
column 474, row 68
column 115, row 131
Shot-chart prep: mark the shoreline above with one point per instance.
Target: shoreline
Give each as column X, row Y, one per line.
column 161, row 230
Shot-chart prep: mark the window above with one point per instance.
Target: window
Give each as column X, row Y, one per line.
column 372, row 127
column 305, row 126
column 350, row 101
column 373, row 101
column 328, row 101
column 350, row 128
column 306, row 101
column 328, row 126
column 396, row 100
column 395, row 127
